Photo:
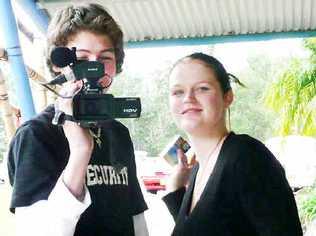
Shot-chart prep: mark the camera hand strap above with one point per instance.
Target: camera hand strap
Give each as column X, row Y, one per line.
column 60, row 117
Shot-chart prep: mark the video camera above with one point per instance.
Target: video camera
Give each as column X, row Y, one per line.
column 90, row 105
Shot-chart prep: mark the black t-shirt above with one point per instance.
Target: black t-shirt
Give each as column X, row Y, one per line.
column 38, row 154
column 247, row 194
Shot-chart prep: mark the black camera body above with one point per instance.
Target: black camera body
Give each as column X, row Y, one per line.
column 90, row 105
column 96, row 107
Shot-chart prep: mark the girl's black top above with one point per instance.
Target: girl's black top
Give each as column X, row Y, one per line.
column 247, row 194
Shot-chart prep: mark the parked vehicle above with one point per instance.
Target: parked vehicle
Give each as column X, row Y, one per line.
column 156, row 182
column 152, row 171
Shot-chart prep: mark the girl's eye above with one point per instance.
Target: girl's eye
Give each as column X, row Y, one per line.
column 177, row 93
column 203, row 88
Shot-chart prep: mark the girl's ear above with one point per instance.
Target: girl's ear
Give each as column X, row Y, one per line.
column 228, row 98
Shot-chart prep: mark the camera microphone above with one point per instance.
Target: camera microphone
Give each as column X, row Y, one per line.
column 63, row 56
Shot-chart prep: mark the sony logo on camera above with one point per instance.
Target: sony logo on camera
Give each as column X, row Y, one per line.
column 92, row 69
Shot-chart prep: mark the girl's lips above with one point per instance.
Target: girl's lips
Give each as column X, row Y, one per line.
column 193, row 110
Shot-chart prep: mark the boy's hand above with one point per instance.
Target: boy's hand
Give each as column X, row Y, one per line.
column 79, row 138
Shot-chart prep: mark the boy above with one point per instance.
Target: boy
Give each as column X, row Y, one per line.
column 70, row 180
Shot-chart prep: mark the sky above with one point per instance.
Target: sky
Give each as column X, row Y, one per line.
column 232, row 55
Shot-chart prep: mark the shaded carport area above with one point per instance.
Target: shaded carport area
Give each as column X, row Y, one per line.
column 158, row 23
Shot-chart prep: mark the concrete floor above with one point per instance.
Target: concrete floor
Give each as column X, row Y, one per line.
column 159, row 221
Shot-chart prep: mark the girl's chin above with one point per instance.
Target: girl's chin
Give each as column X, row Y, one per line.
column 190, row 127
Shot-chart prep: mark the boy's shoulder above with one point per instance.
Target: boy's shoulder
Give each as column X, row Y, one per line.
column 40, row 125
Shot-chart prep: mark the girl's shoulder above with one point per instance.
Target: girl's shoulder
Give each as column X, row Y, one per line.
column 243, row 148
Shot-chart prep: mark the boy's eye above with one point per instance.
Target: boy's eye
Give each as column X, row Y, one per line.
column 100, row 58
column 82, row 58
column 105, row 58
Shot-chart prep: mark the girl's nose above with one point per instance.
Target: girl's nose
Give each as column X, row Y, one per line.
column 189, row 96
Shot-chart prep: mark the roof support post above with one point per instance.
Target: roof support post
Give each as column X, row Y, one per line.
column 18, row 71
column 38, row 16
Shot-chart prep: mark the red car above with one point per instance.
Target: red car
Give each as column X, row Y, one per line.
column 155, row 182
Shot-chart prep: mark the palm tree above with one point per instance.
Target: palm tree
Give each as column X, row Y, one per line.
column 293, row 96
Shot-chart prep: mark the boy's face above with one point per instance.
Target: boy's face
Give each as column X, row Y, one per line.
column 96, row 47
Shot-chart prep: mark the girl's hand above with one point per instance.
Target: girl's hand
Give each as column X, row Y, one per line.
column 180, row 176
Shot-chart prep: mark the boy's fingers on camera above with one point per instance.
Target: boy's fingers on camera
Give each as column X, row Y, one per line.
column 67, row 92
column 70, row 88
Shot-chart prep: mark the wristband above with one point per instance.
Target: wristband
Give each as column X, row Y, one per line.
column 60, row 117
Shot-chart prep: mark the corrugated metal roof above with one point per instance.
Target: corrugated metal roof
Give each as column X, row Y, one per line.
column 143, row 20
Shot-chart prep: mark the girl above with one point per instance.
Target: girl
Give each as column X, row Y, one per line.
column 236, row 186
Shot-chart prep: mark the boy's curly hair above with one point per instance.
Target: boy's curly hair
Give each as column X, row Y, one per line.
column 73, row 19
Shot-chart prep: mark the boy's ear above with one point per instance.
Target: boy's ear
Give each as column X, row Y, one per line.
column 228, row 98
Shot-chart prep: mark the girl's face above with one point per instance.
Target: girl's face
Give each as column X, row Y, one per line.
column 196, row 100
column 96, row 47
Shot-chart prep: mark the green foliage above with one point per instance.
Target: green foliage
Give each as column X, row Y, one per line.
column 248, row 112
column 310, row 44
column 306, row 202
column 293, row 96
column 153, row 130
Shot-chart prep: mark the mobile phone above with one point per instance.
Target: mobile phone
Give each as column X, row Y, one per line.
column 170, row 151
